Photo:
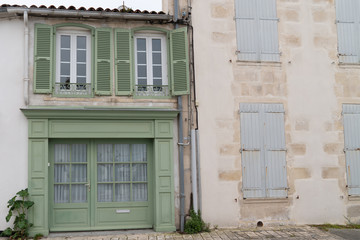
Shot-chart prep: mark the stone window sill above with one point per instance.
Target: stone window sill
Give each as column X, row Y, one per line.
column 265, row 200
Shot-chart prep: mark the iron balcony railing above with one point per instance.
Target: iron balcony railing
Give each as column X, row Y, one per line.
column 73, row 89
column 152, row 90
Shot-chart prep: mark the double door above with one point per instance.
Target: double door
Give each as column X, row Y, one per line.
column 100, row 184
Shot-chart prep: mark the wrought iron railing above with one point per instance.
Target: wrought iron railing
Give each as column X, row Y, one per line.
column 152, row 90
column 73, row 89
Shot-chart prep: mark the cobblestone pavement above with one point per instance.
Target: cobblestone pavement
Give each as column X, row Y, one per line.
column 291, row 233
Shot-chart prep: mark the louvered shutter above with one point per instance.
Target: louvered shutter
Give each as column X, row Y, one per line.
column 275, row 151
column 257, row 30
column 247, row 30
column 351, row 114
column 269, row 42
column 103, row 79
column 252, row 158
column 347, row 19
column 179, row 61
column 123, row 71
column 43, row 58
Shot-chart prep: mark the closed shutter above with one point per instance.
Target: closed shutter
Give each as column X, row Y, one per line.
column 257, row 31
column 251, row 151
column 179, row 62
column 263, row 150
column 275, row 151
column 103, row 71
column 269, row 42
column 351, row 114
column 347, row 19
column 43, row 58
column 123, row 71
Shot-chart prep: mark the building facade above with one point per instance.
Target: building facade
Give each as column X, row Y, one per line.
column 92, row 121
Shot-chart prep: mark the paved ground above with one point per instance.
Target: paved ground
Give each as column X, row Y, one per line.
column 284, row 233
column 351, row 234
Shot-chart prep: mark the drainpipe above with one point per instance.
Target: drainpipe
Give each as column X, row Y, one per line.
column 26, row 59
column 181, row 141
column 194, row 171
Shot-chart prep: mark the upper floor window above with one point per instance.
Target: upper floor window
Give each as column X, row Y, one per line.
column 151, row 65
column 101, row 61
column 257, row 30
column 73, row 62
column 348, row 23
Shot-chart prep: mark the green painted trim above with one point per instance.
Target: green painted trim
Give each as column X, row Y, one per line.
column 164, row 228
column 80, row 25
column 38, row 128
column 33, row 232
column 104, row 114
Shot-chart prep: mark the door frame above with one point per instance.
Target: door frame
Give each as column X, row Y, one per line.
column 76, row 123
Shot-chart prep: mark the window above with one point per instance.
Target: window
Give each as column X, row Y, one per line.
column 348, row 23
column 150, row 65
column 256, row 30
column 73, row 62
column 263, row 150
column 85, row 59
column 351, row 114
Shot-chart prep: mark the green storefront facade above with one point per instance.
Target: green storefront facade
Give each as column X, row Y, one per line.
column 101, row 168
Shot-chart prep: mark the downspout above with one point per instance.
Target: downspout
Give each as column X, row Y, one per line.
column 26, row 59
column 181, row 141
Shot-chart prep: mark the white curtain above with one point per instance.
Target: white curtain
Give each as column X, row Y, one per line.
column 64, row 165
column 139, row 172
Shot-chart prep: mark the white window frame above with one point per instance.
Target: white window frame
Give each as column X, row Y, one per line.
column 73, row 33
column 149, row 63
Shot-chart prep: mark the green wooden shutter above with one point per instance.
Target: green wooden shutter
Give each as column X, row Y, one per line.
column 103, row 80
column 179, row 61
column 123, row 64
column 43, row 58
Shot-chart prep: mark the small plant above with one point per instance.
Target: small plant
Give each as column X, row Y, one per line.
column 19, row 206
column 195, row 224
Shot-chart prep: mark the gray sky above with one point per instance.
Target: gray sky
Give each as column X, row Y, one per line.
column 151, row 5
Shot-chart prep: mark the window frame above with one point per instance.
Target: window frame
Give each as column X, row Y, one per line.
column 165, row 87
column 73, row 33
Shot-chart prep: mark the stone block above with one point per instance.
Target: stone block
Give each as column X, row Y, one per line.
column 330, row 172
column 233, row 175
column 302, row 125
column 298, row 149
column 333, row 148
column 300, row 173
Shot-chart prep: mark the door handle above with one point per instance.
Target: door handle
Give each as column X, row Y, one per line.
column 88, row 186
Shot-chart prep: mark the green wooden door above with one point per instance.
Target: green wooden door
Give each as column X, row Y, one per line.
column 100, row 184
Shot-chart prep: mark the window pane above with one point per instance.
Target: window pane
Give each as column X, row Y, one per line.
column 142, row 71
column 122, row 192
column 78, row 193
column 65, row 41
column 158, row 82
column 81, row 80
column 156, row 58
column 105, row 172
column 139, row 192
column 139, row 152
column 65, row 79
column 61, row 193
column 122, row 153
column 157, row 71
column 139, row 172
column 142, row 82
column 65, row 69
column 105, row 193
column 81, row 69
column 141, row 44
column 62, row 153
column 62, row 173
column 156, row 44
column 78, row 153
column 81, row 42
column 105, row 153
column 65, row 55
column 122, row 172
column 141, row 58
column 78, row 173
column 81, row 56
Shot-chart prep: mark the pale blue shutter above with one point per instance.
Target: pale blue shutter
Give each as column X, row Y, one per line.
column 269, row 42
column 347, row 19
column 252, row 158
column 351, row 114
column 275, row 151
column 247, row 30
column 257, row 30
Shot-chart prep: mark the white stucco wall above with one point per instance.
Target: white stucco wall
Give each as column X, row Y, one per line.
column 13, row 124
